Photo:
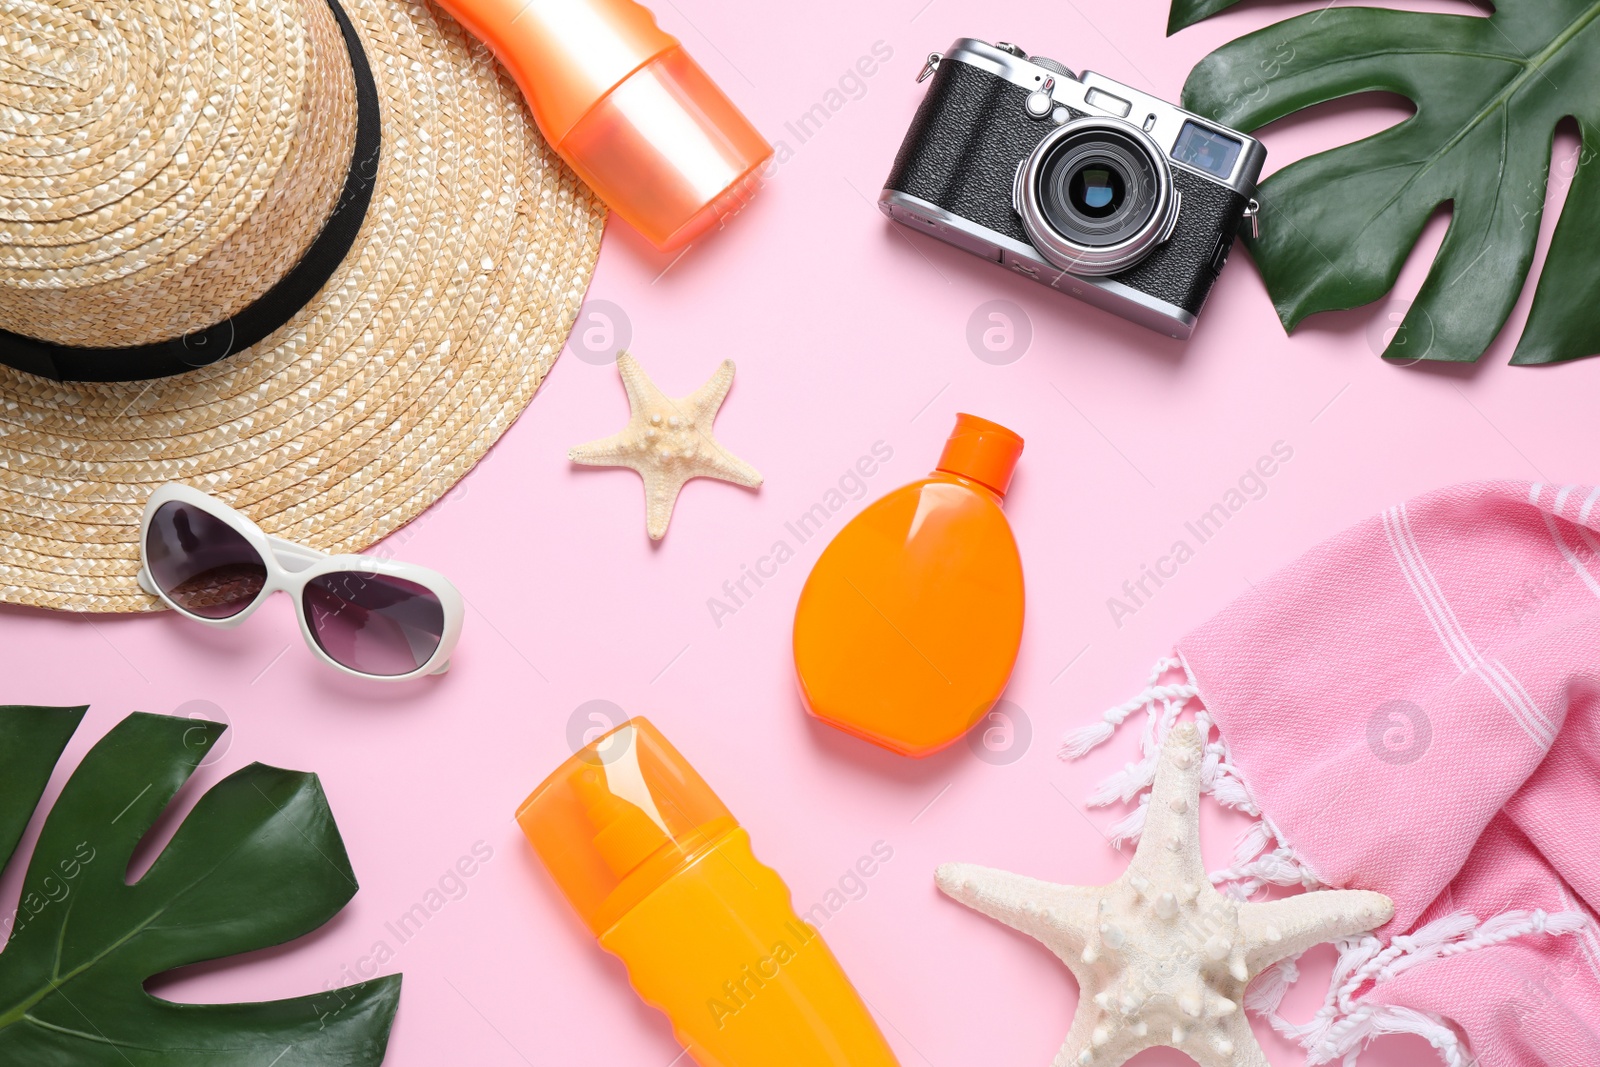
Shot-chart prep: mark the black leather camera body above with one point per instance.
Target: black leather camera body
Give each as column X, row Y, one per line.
column 1084, row 184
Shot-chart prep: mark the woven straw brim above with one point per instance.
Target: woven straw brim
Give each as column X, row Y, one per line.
column 424, row 346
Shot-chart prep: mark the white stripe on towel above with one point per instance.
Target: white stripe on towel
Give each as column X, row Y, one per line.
column 1561, row 542
column 1405, row 569
column 1494, row 675
column 1453, row 636
column 1588, row 505
column 1536, row 714
column 1583, row 521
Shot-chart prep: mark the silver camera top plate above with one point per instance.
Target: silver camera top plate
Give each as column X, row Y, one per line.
column 1093, row 94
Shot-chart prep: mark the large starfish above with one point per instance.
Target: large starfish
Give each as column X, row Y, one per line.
column 668, row 441
column 1160, row 956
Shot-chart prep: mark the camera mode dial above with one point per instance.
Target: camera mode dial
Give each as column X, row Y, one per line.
column 1052, row 65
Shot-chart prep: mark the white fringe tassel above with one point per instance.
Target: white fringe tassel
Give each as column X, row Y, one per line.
column 1377, row 1020
column 1266, row 993
column 1081, row 741
column 1342, row 1027
column 1261, row 857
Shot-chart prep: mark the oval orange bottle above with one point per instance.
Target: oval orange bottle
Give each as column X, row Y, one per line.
column 663, row 875
column 909, row 625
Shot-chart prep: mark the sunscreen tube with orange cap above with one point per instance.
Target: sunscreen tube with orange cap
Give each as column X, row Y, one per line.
column 663, row 875
column 626, row 107
column 908, row 626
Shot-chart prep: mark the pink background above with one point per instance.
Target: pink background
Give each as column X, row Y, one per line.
column 847, row 332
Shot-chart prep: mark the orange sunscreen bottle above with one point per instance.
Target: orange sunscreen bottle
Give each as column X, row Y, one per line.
column 626, row 107
column 659, row 870
column 908, row 627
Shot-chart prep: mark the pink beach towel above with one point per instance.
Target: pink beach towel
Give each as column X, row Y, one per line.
column 1413, row 707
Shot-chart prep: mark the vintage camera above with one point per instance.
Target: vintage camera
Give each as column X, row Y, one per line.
column 1125, row 201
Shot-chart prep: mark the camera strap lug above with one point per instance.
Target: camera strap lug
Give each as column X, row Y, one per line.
column 1252, row 211
column 932, row 64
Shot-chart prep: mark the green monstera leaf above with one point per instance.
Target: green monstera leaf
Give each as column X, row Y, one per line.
column 1489, row 92
column 256, row 863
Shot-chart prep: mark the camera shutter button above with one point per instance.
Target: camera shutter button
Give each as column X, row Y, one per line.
column 1040, row 103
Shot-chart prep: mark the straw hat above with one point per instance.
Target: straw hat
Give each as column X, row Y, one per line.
column 311, row 256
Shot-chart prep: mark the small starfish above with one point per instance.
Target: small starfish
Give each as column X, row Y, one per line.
column 1162, row 958
column 668, row 441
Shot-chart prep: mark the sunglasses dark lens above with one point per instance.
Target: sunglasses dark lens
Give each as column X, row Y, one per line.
column 374, row 623
column 202, row 564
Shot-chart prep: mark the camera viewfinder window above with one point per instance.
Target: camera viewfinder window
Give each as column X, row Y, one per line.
column 1206, row 149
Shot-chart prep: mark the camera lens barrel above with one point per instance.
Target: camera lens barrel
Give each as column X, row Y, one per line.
column 1096, row 196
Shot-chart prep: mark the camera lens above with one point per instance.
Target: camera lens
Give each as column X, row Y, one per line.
column 1095, row 197
column 1096, row 190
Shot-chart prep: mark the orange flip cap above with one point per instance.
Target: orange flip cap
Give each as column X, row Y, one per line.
column 982, row 450
column 620, row 818
column 627, row 108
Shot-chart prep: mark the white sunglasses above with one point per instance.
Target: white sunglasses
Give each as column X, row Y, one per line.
column 367, row 617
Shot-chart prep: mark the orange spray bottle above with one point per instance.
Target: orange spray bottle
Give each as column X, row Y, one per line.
column 625, row 106
column 909, row 624
column 663, row 875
